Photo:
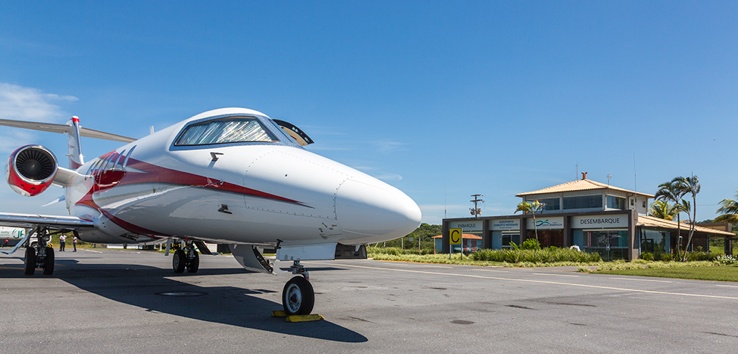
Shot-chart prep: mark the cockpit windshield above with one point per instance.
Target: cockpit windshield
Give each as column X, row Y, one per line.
column 225, row 131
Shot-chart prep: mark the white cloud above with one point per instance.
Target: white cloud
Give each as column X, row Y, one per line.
column 388, row 177
column 19, row 138
column 26, row 103
column 386, row 146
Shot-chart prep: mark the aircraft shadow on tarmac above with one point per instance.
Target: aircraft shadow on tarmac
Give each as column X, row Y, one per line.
column 154, row 289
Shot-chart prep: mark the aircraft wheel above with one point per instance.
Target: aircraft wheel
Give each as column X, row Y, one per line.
column 49, row 261
column 298, row 296
column 30, row 261
column 179, row 261
column 194, row 263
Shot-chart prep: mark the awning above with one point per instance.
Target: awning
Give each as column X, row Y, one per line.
column 650, row 221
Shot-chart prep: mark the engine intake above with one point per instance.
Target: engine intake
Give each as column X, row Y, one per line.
column 31, row 169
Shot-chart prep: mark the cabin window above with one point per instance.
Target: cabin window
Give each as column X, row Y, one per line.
column 224, row 131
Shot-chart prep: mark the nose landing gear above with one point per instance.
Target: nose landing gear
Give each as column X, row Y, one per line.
column 298, row 296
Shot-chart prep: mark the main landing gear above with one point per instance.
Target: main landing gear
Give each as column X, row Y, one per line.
column 39, row 254
column 298, row 296
column 186, row 257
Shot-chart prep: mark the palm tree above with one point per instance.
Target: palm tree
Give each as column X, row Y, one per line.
column 531, row 208
column 692, row 186
column 729, row 210
column 672, row 192
column 663, row 210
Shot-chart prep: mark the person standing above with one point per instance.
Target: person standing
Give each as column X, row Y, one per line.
column 74, row 243
column 62, row 242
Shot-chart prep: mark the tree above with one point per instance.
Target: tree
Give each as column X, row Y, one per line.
column 690, row 185
column 728, row 211
column 663, row 210
column 531, row 208
column 672, row 192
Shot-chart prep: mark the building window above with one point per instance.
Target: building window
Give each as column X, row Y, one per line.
column 583, row 202
column 550, row 204
column 610, row 244
column 507, row 239
column 614, row 202
column 653, row 241
column 607, row 238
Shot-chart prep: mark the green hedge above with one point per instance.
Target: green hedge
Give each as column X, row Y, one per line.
column 548, row 255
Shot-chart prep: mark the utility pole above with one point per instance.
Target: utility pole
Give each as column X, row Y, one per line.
column 476, row 211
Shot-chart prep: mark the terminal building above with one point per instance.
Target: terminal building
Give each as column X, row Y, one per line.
column 595, row 217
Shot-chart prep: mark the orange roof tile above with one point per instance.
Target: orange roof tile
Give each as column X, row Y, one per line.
column 579, row 185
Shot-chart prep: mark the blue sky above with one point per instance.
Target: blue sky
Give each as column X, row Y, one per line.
column 442, row 99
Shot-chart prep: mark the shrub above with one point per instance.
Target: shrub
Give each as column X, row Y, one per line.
column 531, row 244
column 663, row 257
column 549, row 255
column 700, row 256
column 647, row 256
column 725, row 260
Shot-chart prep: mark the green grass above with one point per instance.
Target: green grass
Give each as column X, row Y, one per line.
column 699, row 270
column 687, row 270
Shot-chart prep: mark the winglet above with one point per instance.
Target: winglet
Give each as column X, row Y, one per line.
column 76, row 160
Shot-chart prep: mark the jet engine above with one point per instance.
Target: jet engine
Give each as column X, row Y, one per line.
column 31, row 169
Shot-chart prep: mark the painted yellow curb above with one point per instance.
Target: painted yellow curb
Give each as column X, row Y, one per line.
column 279, row 313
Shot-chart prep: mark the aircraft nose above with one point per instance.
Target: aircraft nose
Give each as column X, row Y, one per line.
column 373, row 211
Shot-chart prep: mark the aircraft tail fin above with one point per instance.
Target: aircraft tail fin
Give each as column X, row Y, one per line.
column 76, row 159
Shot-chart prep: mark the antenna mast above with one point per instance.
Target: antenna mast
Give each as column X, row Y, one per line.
column 476, row 211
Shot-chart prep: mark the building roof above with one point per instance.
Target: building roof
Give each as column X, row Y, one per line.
column 580, row 185
column 464, row 236
column 650, row 221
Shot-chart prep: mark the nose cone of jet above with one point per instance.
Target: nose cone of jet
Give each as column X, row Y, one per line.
column 372, row 211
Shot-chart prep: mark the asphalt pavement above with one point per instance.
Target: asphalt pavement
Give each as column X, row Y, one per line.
column 121, row 301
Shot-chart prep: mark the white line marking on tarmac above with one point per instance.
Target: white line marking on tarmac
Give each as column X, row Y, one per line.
column 559, row 275
column 648, row 280
column 549, row 282
column 727, row 286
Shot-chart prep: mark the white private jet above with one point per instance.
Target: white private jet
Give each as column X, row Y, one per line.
column 230, row 176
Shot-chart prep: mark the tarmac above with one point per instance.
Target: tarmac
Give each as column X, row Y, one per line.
column 121, row 301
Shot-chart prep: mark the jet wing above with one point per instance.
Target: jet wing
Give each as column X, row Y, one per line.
column 50, row 221
column 63, row 128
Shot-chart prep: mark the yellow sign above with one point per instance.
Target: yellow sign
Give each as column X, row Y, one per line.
column 454, row 236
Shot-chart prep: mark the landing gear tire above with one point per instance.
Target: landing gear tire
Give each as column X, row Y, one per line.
column 194, row 263
column 179, row 261
column 30, row 261
column 298, row 296
column 49, row 261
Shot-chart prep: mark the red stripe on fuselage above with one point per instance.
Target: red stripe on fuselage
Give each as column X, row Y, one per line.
column 108, row 179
